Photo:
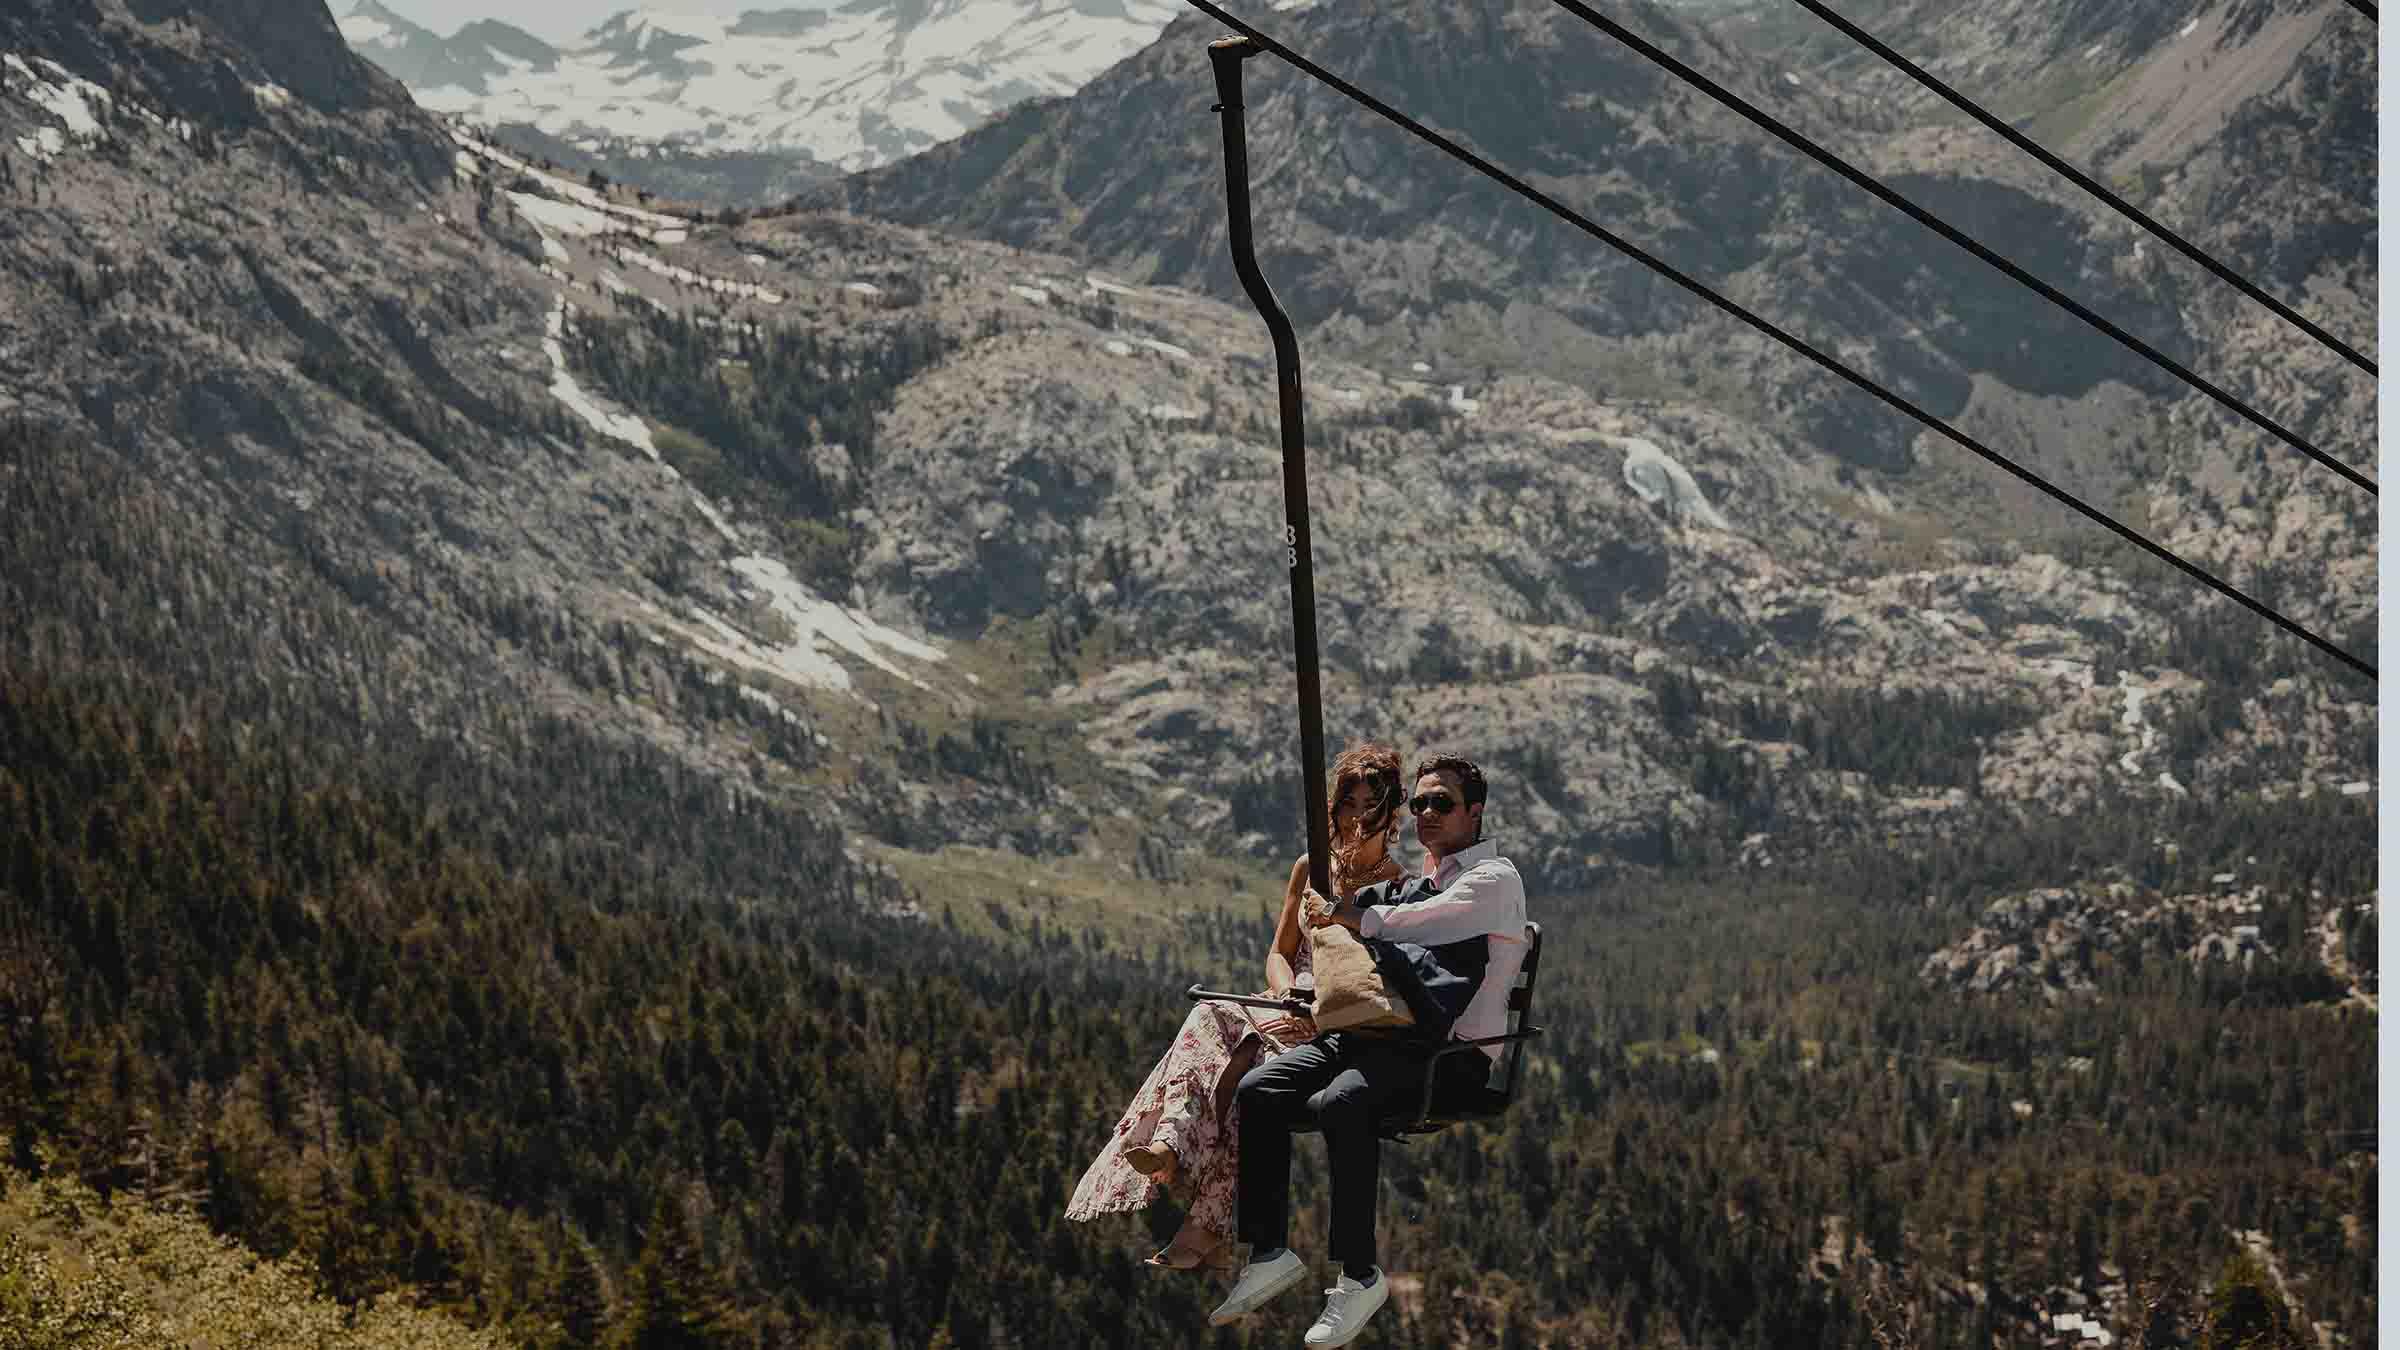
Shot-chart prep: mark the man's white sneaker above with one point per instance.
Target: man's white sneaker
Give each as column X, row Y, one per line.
column 1348, row 1305
column 1260, row 1281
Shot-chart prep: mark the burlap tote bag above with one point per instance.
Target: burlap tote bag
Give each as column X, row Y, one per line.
column 1350, row 990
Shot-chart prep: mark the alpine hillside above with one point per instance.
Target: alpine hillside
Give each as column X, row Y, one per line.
column 841, row 467
column 1388, row 252
column 636, row 775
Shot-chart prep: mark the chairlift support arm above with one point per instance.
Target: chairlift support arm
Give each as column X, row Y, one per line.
column 1226, row 56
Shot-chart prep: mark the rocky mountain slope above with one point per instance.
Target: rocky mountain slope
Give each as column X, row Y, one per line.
column 748, row 109
column 2184, row 107
column 967, row 543
column 1388, row 252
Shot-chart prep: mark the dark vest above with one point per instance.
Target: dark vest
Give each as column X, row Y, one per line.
column 1437, row 982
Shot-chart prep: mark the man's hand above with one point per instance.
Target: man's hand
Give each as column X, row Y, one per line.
column 1322, row 912
column 1289, row 1030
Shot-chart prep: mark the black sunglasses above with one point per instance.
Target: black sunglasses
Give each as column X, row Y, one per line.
column 1438, row 803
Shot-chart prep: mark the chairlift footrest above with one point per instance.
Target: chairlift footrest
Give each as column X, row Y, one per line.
column 1291, row 1006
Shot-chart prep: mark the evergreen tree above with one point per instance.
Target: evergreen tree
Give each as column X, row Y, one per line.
column 673, row 1301
column 2247, row 1312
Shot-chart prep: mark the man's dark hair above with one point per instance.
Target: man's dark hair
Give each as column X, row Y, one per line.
column 1470, row 778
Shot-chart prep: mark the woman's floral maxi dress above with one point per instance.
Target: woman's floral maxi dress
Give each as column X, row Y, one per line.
column 1188, row 1104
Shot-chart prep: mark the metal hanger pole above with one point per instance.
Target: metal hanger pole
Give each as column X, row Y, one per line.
column 1226, row 56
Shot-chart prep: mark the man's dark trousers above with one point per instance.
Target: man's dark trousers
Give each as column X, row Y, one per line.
column 1347, row 1079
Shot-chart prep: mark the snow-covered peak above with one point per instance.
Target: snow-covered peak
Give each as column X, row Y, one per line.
column 508, row 42
column 418, row 58
column 650, row 35
column 372, row 25
column 852, row 87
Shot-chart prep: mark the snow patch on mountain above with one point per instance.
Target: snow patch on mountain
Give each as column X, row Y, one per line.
column 362, row 29
column 660, row 228
column 1657, row 477
column 619, row 426
column 564, row 217
column 823, row 631
column 75, row 102
column 739, row 290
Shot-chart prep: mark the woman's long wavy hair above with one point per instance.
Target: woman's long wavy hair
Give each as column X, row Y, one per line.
column 1377, row 766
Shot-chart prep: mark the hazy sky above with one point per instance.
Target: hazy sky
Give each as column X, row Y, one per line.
column 555, row 20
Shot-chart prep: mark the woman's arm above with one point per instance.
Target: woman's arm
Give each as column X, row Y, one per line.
column 1287, row 931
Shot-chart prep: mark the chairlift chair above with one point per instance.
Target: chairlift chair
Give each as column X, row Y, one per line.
column 1432, row 1112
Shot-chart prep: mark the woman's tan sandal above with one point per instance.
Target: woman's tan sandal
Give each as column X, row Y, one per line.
column 1155, row 1161
column 1177, row 1255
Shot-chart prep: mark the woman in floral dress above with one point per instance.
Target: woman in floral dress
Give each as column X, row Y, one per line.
column 1179, row 1132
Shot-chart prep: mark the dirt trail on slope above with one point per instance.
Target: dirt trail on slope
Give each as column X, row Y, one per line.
column 2329, row 951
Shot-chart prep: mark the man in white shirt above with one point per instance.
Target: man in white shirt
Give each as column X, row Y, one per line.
column 1469, row 911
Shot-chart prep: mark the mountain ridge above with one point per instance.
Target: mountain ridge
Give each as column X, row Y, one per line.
column 808, row 92
column 1384, row 252
column 227, row 67
column 1350, row 239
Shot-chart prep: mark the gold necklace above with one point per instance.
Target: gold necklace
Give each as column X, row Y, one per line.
column 1346, row 868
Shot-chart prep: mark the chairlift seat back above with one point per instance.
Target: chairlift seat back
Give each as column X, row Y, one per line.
column 1429, row 1110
